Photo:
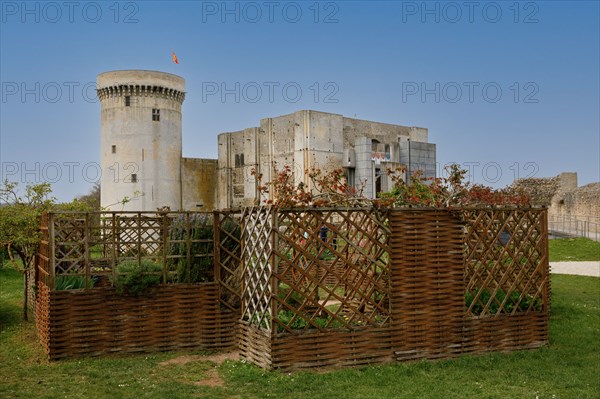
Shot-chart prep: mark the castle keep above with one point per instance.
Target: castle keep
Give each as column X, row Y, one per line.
column 141, row 149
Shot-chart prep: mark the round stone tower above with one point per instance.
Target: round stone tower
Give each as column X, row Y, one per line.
column 140, row 134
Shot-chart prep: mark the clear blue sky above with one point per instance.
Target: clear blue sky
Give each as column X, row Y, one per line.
column 502, row 86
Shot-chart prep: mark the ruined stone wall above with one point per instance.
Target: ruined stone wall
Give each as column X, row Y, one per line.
column 562, row 196
column 540, row 190
column 582, row 203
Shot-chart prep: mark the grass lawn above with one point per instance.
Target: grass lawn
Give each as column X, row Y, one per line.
column 573, row 249
column 568, row 368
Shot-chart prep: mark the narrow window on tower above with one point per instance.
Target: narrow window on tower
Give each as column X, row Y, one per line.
column 114, row 149
column 134, row 177
column 127, row 101
column 239, row 160
column 155, row 114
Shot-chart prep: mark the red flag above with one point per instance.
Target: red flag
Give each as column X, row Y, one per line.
column 175, row 60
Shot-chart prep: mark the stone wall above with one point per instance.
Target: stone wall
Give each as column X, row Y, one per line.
column 198, row 184
column 562, row 196
column 583, row 203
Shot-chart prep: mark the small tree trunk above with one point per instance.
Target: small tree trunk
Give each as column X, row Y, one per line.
column 26, row 292
column 26, row 265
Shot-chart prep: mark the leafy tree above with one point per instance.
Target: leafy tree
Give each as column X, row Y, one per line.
column 20, row 221
column 92, row 198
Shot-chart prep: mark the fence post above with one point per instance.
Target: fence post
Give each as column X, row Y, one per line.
column 274, row 261
column 86, row 248
column 217, row 268
column 217, row 250
column 545, row 259
column 139, row 238
column 242, row 266
column 188, row 244
column 114, row 246
column 165, row 238
column 51, row 244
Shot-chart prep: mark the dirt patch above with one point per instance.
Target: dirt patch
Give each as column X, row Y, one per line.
column 217, row 358
column 212, row 380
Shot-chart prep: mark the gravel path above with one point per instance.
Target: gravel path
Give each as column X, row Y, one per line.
column 577, row 268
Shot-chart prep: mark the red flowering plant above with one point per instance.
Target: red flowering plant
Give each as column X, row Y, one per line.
column 332, row 189
column 328, row 189
column 447, row 192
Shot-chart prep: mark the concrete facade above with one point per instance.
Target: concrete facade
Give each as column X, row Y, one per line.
column 311, row 139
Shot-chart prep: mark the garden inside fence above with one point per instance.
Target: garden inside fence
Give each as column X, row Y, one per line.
column 302, row 287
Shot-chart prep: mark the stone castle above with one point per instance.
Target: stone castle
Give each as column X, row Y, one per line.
column 141, row 149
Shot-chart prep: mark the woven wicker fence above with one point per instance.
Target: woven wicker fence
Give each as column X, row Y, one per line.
column 194, row 305
column 305, row 287
column 338, row 287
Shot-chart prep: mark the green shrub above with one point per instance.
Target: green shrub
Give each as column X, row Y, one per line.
column 135, row 279
column 285, row 316
column 70, row 282
column 295, row 300
column 200, row 268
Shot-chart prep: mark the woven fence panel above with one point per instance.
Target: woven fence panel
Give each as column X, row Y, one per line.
column 506, row 332
column 333, row 348
column 254, row 345
column 42, row 316
column 96, row 321
column 427, row 284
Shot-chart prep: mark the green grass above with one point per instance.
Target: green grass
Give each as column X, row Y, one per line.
column 573, row 249
column 567, row 368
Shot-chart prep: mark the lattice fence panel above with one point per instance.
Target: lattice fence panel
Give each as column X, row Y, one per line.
column 69, row 244
column 257, row 247
column 505, row 261
column 43, row 259
column 229, row 258
column 95, row 243
column 331, row 269
column 139, row 235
